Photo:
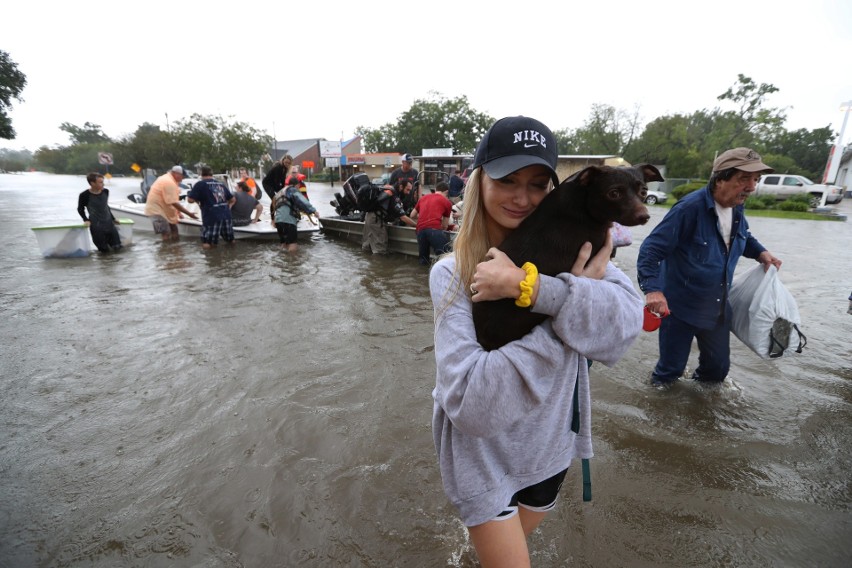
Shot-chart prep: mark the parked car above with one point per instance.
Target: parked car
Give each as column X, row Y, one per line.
column 784, row 186
column 655, row 197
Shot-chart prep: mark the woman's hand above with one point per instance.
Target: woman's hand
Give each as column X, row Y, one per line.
column 596, row 267
column 497, row 278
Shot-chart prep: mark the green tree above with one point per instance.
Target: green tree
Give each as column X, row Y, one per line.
column 382, row 139
column 565, row 141
column 77, row 159
column 148, row 146
column 807, row 150
column 434, row 122
column 606, row 131
column 222, row 145
column 752, row 124
column 675, row 141
column 15, row 160
column 12, row 83
column 51, row 160
column 87, row 134
column 83, row 158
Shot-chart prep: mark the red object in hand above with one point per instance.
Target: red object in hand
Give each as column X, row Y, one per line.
column 652, row 320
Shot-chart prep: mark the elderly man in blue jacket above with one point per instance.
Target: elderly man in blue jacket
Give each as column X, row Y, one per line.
column 686, row 265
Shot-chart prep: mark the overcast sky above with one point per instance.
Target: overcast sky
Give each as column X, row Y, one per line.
column 321, row 74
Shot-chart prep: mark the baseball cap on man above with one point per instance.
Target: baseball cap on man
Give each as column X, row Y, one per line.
column 743, row 159
column 407, row 158
column 513, row 143
column 178, row 170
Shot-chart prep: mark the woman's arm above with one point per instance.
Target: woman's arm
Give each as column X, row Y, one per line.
column 485, row 392
column 598, row 318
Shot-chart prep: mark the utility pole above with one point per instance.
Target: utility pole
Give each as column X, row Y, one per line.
column 274, row 144
column 836, row 154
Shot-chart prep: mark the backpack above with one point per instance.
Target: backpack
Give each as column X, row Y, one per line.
column 284, row 198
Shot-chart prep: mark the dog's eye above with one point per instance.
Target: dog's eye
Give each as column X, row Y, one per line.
column 614, row 194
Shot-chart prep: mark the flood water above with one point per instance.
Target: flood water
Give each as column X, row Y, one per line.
column 167, row 406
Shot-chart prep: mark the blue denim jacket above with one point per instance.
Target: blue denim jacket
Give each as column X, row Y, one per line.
column 283, row 202
column 686, row 258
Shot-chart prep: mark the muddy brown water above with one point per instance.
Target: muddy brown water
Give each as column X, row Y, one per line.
column 167, row 406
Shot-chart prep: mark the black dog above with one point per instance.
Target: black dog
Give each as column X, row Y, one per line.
column 581, row 209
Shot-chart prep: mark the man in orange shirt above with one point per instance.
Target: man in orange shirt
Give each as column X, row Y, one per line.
column 254, row 188
column 163, row 204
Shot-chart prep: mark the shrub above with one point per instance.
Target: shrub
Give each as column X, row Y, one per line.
column 768, row 201
column 755, row 202
column 682, row 190
column 791, row 205
column 800, row 198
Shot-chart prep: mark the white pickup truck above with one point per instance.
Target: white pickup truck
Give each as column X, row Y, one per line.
column 784, row 186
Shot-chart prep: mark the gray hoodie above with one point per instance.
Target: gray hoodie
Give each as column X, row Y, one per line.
column 502, row 419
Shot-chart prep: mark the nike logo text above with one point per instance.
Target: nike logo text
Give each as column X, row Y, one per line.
column 530, row 136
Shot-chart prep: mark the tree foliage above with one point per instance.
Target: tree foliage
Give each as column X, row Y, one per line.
column 607, row 131
column 149, row 147
column 87, row 134
column 213, row 141
column 686, row 144
column 434, row 122
column 15, row 160
column 12, row 83
column 195, row 141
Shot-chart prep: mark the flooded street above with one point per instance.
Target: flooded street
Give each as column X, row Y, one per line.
column 167, row 406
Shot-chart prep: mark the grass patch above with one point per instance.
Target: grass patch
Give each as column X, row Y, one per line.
column 771, row 213
column 778, row 214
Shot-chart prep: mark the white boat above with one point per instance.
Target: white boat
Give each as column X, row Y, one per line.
column 65, row 241
column 135, row 209
column 192, row 227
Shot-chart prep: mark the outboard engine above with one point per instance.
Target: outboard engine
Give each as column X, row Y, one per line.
column 346, row 204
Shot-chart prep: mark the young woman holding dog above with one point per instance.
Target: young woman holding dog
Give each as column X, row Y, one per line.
column 504, row 422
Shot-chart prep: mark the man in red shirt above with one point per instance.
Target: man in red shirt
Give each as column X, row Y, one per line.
column 432, row 213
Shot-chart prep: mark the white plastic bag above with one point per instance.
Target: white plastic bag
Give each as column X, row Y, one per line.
column 765, row 315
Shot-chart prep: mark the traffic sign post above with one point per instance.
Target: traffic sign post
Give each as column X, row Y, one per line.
column 105, row 158
column 331, row 149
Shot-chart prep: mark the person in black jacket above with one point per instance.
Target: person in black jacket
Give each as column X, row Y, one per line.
column 102, row 224
column 276, row 178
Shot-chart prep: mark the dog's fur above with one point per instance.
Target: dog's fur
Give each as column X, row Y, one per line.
column 581, row 209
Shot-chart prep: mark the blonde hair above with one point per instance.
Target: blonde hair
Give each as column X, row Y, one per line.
column 471, row 243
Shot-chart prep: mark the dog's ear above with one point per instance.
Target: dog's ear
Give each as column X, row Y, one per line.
column 650, row 172
column 586, row 175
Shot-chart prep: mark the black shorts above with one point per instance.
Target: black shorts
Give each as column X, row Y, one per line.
column 287, row 233
column 540, row 497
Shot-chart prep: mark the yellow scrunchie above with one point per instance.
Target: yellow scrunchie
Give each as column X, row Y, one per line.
column 527, row 284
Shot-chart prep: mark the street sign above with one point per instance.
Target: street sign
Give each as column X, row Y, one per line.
column 332, row 162
column 329, row 148
column 105, row 158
